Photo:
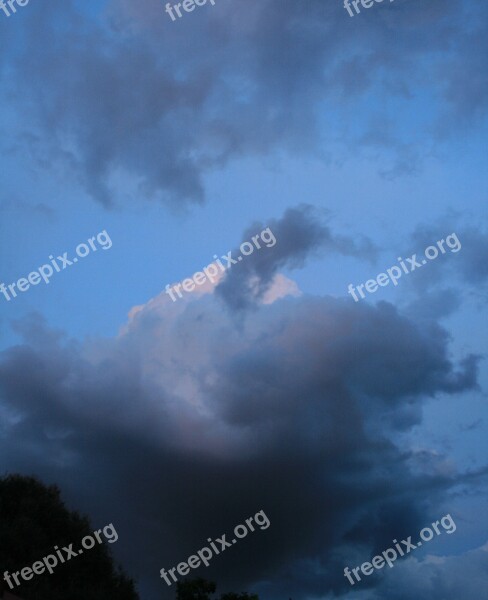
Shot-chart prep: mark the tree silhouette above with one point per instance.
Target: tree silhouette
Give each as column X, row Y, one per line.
column 33, row 520
column 195, row 589
column 243, row 596
column 200, row 589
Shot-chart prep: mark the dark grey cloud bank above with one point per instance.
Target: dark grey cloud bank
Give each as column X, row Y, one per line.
column 183, row 426
column 137, row 102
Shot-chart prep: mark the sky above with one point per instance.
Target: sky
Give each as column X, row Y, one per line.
column 356, row 141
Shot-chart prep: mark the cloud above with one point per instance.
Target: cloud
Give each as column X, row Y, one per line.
column 299, row 234
column 131, row 105
column 436, row 578
column 438, row 289
column 7, row 206
column 184, row 425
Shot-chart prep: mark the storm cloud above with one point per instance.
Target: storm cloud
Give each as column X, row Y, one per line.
column 184, row 425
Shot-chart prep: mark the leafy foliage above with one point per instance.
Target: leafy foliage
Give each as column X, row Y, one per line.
column 33, row 520
column 200, row 589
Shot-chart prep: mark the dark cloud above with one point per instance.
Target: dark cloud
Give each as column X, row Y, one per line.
column 444, row 578
column 183, row 426
column 465, row 84
column 40, row 208
column 460, row 273
column 136, row 102
column 297, row 235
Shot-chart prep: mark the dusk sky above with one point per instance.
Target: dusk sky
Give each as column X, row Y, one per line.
column 359, row 142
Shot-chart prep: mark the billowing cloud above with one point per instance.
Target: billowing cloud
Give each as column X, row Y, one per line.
column 184, row 425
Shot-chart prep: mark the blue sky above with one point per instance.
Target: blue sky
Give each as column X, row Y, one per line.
column 181, row 138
